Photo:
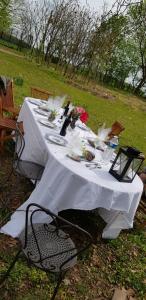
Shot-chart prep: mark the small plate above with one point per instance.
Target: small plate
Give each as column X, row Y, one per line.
column 74, row 156
column 83, row 127
column 43, row 101
column 47, row 123
column 56, row 139
column 34, row 101
column 41, row 112
column 44, row 107
column 91, row 143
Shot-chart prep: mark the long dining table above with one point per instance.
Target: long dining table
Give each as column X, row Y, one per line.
column 68, row 184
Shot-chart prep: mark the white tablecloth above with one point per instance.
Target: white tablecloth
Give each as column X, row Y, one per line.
column 67, row 184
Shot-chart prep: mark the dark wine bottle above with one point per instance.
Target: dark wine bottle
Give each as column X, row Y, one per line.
column 65, row 125
column 66, row 109
column 73, row 121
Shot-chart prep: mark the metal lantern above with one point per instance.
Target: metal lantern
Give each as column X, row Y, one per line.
column 126, row 164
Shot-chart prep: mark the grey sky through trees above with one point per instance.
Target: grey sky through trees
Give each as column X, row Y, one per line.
column 97, row 4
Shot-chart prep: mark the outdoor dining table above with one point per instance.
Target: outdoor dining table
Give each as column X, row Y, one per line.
column 68, row 184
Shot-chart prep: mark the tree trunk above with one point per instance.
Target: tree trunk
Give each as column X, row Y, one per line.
column 140, row 85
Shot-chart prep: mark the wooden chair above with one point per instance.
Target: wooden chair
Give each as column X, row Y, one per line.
column 116, row 129
column 7, row 126
column 8, row 101
column 40, row 94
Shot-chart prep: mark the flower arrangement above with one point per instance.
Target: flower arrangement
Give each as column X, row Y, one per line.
column 88, row 155
column 52, row 115
column 81, row 113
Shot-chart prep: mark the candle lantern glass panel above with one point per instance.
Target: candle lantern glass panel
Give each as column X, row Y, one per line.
column 126, row 164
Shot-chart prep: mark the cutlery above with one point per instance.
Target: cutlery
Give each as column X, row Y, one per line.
column 93, row 165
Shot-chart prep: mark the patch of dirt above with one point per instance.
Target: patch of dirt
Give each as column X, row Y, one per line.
column 11, row 53
column 94, row 90
column 135, row 102
column 16, row 190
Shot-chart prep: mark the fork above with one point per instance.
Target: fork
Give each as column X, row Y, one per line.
column 93, row 165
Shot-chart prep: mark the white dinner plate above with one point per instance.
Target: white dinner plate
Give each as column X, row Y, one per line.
column 41, row 112
column 44, row 107
column 56, row 139
column 43, row 101
column 74, row 156
column 47, row 123
column 83, row 127
column 34, row 101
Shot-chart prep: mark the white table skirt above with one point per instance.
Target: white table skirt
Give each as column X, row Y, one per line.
column 67, row 184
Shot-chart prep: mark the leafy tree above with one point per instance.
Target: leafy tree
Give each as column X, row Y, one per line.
column 5, row 17
column 123, row 62
column 103, row 43
column 137, row 20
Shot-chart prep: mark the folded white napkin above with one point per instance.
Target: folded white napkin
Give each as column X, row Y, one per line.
column 56, row 102
column 102, row 136
column 103, row 132
column 53, row 103
column 75, row 143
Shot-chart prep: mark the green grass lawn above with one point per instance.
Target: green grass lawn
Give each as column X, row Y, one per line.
column 127, row 109
column 108, row 264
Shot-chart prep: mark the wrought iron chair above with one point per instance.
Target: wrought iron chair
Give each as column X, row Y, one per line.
column 25, row 168
column 28, row 169
column 49, row 246
column 40, row 94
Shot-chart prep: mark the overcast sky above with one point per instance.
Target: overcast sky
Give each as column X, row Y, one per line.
column 97, row 4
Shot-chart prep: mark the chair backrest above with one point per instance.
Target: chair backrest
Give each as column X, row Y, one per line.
column 8, row 98
column 40, row 94
column 19, row 142
column 116, row 129
column 60, row 227
column 1, row 109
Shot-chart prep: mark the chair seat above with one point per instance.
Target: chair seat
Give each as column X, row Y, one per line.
column 11, row 109
column 7, row 123
column 55, row 246
column 29, row 169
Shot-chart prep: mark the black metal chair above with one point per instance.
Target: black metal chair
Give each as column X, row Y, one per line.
column 28, row 169
column 48, row 246
column 25, row 168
